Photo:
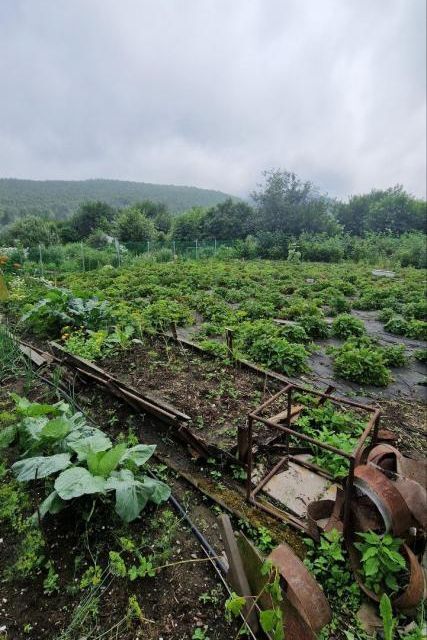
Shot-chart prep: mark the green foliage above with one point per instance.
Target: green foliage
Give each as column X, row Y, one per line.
column 381, row 561
column 360, row 362
column 60, row 309
column 271, row 619
column 51, row 581
column 88, row 463
column 421, row 355
column 12, row 361
column 162, row 313
column 331, row 426
column 394, row 356
column 133, row 225
column 387, row 617
column 328, row 563
column 286, row 204
column 315, row 326
column 31, row 231
column 346, row 325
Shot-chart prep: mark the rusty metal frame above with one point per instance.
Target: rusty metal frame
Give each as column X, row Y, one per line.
column 246, row 445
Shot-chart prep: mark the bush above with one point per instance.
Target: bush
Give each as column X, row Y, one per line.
column 161, row 314
column 421, row 355
column 339, row 304
column 397, row 325
column 294, row 333
column 417, row 329
column 394, row 356
column 385, row 314
column 315, row 326
column 279, row 354
column 358, row 362
column 347, row 325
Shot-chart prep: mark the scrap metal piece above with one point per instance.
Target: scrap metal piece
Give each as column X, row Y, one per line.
column 415, row 497
column 301, row 589
column 295, row 625
column 236, row 573
column 383, row 493
column 325, row 515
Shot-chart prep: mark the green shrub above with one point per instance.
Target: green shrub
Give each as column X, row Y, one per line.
column 417, row 329
column 397, row 325
column 346, row 325
column 339, row 304
column 421, row 355
column 218, row 349
column 160, row 314
column 315, row 326
column 294, row 333
column 279, row 354
column 381, row 561
column 363, row 364
column 394, row 356
column 386, row 314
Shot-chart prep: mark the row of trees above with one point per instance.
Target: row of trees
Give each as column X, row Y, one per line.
column 283, row 206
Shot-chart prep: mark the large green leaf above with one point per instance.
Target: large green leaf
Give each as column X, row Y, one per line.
column 92, row 444
column 76, row 482
column 51, row 504
column 103, row 463
column 7, row 436
column 40, row 466
column 160, row 492
column 131, row 495
column 139, row 454
column 55, row 429
column 33, row 409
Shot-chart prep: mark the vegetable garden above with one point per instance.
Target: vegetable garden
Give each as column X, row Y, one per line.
column 88, row 525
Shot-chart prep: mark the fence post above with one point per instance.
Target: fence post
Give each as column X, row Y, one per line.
column 215, row 247
column 41, row 259
column 83, row 256
column 148, row 246
column 229, row 340
column 196, row 249
column 117, row 245
column 174, row 249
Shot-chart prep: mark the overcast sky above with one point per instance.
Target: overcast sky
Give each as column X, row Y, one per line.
column 211, row 92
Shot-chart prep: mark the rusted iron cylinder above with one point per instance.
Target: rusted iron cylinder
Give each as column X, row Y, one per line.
column 383, row 493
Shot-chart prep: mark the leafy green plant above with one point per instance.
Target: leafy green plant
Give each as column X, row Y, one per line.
column 271, row 619
column 394, row 356
column 346, row 325
column 359, row 363
column 381, row 561
column 51, row 582
column 421, row 355
column 61, row 309
column 328, row 562
column 386, row 612
column 315, row 326
column 88, row 463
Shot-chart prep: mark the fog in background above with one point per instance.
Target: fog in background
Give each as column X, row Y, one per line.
column 211, row 92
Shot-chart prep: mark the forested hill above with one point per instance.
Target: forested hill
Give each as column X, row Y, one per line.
column 60, row 198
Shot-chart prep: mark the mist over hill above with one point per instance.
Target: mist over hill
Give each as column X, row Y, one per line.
column 58, row 199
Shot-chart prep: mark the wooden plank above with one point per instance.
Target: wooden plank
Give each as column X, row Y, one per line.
column 149, row 401
column 39, row 359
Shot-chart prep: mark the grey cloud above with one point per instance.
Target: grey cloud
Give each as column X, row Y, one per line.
column 210, row 92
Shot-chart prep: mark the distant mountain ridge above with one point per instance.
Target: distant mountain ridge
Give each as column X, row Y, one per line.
column 60, row 198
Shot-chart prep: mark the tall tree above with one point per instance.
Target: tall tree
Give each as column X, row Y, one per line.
column 229, row 220
column 288, row 205
column 133, row 226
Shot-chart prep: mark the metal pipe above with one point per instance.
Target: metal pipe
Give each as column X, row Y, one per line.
column 302, row 436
